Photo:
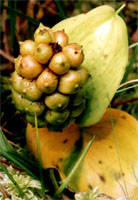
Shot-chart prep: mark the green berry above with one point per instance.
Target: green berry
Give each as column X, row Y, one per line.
column 57, row 101
column 47, row 81
column 42, row 53
column 74, row 53
column 78, row 98
column 27, row 47
column 18, row 100
column 17, row 82
column 77, row 110
column 28, row 67
column 59, row 63
column 84, row 75
column 69, row 83
column 56, row 118
column 61, row 38
column 30, row 90
column 43, row 34
column 33, row 107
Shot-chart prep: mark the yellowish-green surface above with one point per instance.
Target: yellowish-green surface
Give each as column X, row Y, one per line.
column 103, row 36
column 101, row 166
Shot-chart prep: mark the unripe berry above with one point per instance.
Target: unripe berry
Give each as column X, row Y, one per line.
column 33, row 107
column 59, row 63
column 43, row 34
column 30, row 90
column 28, row 67
column 42, row 53
column 27, row 47
column 18, row 100
column 47, row 81
column 84, row 75
column 56, row 118
column 78, row 98
column 61, row 38
column 17, row 82
column 57, row 101
column 77, row 110
column 74, row 53
column 69, row 83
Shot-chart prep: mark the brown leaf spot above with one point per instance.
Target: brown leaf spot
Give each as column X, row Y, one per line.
column 100, row 162
column 105, row 56
column 102, row 178
column 65, row 141
column 123, row 117
column 90, row 186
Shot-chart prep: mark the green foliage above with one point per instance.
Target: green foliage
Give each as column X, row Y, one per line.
column 30, row 187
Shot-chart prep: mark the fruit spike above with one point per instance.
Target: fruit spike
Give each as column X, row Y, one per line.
column 103, row 35
column 48, row 79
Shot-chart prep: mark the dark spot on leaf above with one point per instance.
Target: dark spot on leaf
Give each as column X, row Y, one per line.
column 105, row 56
column 65, row 141
column 110, row 147
column 102, row 178
column 123, row 117
column 76, row 52
column 100, row 161
column 60, row 159
column 90, row 186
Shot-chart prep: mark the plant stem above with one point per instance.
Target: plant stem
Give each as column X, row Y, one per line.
column 39, row 156
column 66, row 181
column 120, row 9
column 52, row 177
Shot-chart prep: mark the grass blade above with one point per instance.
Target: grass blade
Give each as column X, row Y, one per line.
column 39, row 156
column 60, row 9
column 66, row 181
column 21, row 193
column 127, row 88
column 20, row 14
column 118, row 154
column 53, row 179
column 133, row 45
column 129, row 68
column 12, row 18
column 8, row 152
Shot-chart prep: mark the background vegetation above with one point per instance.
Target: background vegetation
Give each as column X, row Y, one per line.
column 19, row 19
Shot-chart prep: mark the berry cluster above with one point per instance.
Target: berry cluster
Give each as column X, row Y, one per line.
column 48, row 78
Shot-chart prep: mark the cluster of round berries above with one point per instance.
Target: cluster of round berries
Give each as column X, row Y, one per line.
column 48, row 78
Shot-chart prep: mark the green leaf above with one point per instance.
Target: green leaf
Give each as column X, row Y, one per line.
column 4, row 144
column 9, row 153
